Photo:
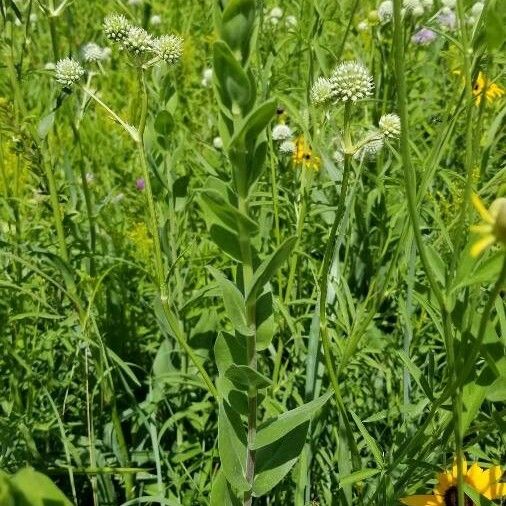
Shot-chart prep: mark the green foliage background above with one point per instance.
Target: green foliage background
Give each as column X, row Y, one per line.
column 86, row 353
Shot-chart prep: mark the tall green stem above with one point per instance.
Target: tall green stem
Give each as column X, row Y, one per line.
column 247, row 275
column 330, row 251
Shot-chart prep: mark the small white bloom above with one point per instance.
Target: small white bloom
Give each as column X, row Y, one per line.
column 90, row 178
column 116, row 27
column 449, row 3
column 287, row 147
column 134, row 2
column 351, row 81
column 321, row 91
column 291, row 21
column 68, row 72
column 169, row 48
column 281, row 132
column 410, row 5
column 276, row 12
column 373, row 145
column 93, row 52
column 418, row 11
column 428, row 4
column 363, row 26
column 207, row 77
column 33, row 18
column 218, row 143
column 386, row 11
column 138, row 41
column 390, row 125
column 155, row 19
column 477, row 9
column 273, row 21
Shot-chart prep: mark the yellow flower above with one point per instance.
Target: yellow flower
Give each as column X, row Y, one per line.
column 484, row 481
column 494, row 228
column 483, row 87
column 303, row 155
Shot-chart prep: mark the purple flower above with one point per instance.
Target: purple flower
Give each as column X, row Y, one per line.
column 447, row 19
column 140, row 184
column 424, row 36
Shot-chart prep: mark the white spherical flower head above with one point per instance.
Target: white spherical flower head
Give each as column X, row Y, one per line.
column 68, row 72
column 169, row 48
column 138, row 41
column 390, row 125
column 218, row 143
column 287, row 147
column 363, row 26
column 418, row 11
column 281, row 132
column 276, row 12
column 370, row 149
column 351, row 81
column 477, row 9
column 155, row 19
column 93, row 52
column 321, row 91
column 386, row 11
column 411, row 5
column 428, row 4
column 116, row 27
column 449, row 3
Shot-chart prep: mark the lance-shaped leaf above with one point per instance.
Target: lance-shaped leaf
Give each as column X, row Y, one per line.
column 278, row 427
column 268, row 267
column 275, row 460
column 237, row 25
column 232, row 443
column 232, row 82
column 234, row 303
column 246, row 378
column 222, row 493
column 226, row 213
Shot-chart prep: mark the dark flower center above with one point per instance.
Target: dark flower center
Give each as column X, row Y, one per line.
column 452, row 500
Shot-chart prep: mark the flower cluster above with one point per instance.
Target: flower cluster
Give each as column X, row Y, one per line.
column 349, row 82
column 68, row 72
column 138, row 42
column 94, row 53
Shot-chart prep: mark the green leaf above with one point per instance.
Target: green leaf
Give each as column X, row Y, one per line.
column 222, row 493
column 164, row 123
column 476, row 497
column 232, row 446
column 274, row 429
column 228, row 350
column 234, row 303
column 275, row 460
column 36, row 489
column 232, row 82
column 495, row 23
column 369, row 440
column 237, row 25
column 264, row 321
column 228, row 215
column 246, row 378
column 361, row 475
column 227, row 241
column 269, row 267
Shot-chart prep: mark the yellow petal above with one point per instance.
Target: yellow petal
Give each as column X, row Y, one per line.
column 482, row 210
column 493, row 474
column 423, row 500
column 481, row 229
column 477, row 479
column 481, row 245
column 496, row 491
column 445, row 481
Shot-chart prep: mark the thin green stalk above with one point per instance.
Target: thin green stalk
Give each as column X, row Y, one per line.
column 123, row 451
column 301, row 216
column 247, row 275
column 87, row 200
column 410, row 187
column 330, row 251
column 159, row 265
